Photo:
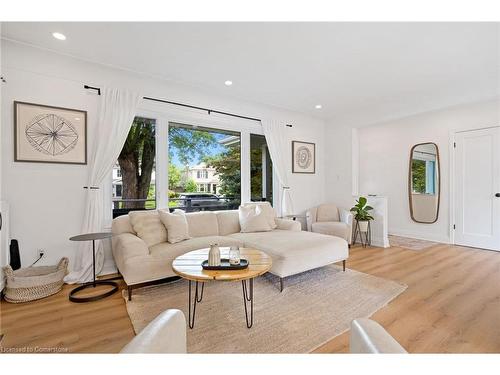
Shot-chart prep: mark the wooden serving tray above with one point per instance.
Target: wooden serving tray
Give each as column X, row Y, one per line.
column 225, row 265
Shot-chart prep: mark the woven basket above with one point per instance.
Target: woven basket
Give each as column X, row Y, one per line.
column 29, row 284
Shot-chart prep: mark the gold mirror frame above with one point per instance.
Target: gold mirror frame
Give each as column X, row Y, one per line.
column 438, row 183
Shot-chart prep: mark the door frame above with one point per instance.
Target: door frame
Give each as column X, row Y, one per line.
column 452, row 139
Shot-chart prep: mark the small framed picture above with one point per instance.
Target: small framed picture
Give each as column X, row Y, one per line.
column 45, row 134
column 303, row 157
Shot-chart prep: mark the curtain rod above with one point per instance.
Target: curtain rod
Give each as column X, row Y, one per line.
column 209, row 111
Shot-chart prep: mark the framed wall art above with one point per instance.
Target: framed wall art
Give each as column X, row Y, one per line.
column 46, row 134
column 303, row 157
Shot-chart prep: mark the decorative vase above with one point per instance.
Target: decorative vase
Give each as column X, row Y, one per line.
column 363, row 225
column 214, row 255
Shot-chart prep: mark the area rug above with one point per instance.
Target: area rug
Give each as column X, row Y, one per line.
column 314, row 307
column 410, row 243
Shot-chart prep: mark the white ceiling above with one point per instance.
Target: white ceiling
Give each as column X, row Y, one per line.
column 360, row 72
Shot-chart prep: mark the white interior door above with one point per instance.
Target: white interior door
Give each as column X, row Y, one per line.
column 477, row 188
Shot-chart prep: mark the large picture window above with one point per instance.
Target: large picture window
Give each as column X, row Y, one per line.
column 173, row 164
column 134, row 186
column 204, row 170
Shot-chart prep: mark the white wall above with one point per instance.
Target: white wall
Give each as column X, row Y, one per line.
column 384, row 153
column 341, row 176
column 46, row 200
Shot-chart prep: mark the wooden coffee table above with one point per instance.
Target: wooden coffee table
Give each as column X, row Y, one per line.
column 188, row 266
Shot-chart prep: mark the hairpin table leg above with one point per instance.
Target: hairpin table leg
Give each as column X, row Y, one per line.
column 248, row 296
column 197, row 298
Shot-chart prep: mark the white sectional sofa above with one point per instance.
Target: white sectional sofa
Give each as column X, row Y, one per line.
column 292, row 250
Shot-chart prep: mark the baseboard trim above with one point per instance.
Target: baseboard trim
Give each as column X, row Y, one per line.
column 376, row 242
column 379, row 242
column 419, row 236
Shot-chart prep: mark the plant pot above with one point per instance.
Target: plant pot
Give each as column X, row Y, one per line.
column 363, row 225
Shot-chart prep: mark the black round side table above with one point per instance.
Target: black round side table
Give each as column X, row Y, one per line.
column 92, row 237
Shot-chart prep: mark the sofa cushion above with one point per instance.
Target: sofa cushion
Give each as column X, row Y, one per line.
column 148, row 227
column 253, row 219
column 267, row 209
column 202, row 224
column 121, row 224
column 327, row 212
column 332, row 228
column 171, row 251
column 176, row 224
column 228, row 221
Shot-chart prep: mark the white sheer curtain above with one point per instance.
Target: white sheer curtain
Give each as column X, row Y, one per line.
column 279, row 147
column 116, row 114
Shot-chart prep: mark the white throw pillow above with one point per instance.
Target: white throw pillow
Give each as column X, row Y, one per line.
column 253, row 219
column 268, row 211
column 148, row 227
column 176, row 224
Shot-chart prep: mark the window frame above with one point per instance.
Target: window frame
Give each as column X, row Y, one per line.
column 165, row 114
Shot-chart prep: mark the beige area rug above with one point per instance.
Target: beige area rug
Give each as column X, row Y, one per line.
column 410, row 243
column 314, row 307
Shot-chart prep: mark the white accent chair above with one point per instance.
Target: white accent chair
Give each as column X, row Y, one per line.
column 329, row 219
column 367, row 336
column 165, row 334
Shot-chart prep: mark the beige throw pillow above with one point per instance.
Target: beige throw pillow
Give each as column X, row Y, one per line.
column 253, row 219
column 176, row 224
column 148, row 227
column 268, row 211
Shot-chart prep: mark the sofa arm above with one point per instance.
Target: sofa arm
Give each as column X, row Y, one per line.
column 128, row 245
column 311, row 217
column 285, row 224
column 165, row 334
column 345, row 216
column 367, row 336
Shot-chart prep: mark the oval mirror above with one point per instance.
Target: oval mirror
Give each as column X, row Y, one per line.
column 424, row 183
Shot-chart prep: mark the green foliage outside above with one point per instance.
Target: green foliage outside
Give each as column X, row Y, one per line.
column 227, row 165
column 190, row 144
column 174, row 177
column 151, row 204
column 256, row 174
column 418, row 176
column 136, row 162
column 190, row 186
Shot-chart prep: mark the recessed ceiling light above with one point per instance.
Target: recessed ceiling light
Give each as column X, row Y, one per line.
column 318, row 106
column 59, row 36
column 77, row 118
column 228, row 83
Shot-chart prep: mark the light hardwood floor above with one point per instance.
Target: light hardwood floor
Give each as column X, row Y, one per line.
column 452, row 305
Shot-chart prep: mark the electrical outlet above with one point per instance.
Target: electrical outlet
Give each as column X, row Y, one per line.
column 41, row 253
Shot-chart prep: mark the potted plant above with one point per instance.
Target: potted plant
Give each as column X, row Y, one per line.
column 362, row 214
